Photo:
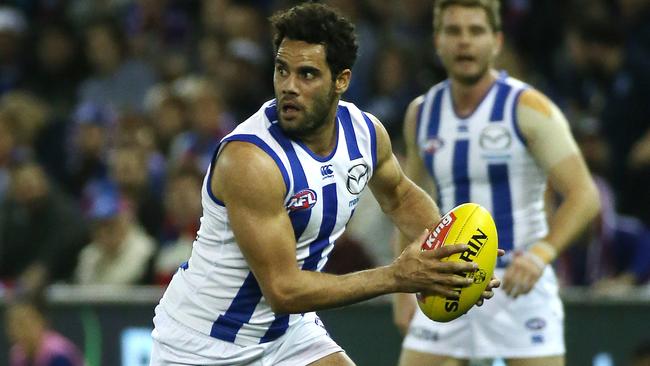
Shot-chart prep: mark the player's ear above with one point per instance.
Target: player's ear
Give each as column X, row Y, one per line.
column 342, row 81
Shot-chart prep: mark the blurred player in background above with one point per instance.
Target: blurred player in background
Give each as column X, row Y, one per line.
column 482, row 136
column 280, row 190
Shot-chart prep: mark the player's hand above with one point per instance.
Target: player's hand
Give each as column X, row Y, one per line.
column 522, row 274
column 404, row 307
column 494, row 283
column 423, row 271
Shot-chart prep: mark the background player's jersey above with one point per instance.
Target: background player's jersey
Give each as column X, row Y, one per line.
column 483, row 158
column 215, row 292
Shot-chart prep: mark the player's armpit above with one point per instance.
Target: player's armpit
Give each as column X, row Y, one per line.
column 544, row 128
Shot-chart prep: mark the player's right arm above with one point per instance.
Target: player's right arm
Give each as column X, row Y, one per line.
column 250, row 184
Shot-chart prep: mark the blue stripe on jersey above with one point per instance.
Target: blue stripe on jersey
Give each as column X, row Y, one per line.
column 502, row 204
column 460, row 170
column 432, row 132
column 499, row 105
column 272, row 111
column 373, row 139
column 277, row 328
column 299, row 219
column 348, row 130
column 330, row 208
column 239, row 312
column 262, row 145
column 515, row 122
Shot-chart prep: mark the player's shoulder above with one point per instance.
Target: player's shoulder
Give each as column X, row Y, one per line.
column 534, row 99
column 528, row 96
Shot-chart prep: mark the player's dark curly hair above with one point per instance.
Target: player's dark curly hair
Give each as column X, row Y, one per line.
column 318, row 24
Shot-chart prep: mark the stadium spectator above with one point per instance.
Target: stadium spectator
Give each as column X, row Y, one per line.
column 40, row 230
column 117, row 79
column 120, row 251
column 90, row 139
column 129, row 170
column 34, row 343
column 613, row 256
column 615, row 83
column 182, row 214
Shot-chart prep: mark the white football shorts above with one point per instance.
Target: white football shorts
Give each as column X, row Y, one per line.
column 175, row 344
column 529, row 326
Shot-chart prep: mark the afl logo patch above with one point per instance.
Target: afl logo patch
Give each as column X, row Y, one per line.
column 303, row 200
column 357, row 178
column 495, row 137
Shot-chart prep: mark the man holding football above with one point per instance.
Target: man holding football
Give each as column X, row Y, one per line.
column 484, row 137
column 279, row 191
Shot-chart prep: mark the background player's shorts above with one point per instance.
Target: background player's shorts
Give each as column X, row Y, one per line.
column 176, row 344
column 530, row 326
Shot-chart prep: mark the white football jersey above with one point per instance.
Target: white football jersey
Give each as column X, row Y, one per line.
column 215, row 292
column 483, row 159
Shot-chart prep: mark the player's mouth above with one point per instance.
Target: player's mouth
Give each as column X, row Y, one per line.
column 465, row 59
column 290, row 109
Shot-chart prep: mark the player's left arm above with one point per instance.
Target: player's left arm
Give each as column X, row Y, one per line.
column 409, row 206
column 551, row 143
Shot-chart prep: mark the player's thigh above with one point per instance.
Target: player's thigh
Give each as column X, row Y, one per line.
column 415, row 358
column 537, row 361
column 335, row 359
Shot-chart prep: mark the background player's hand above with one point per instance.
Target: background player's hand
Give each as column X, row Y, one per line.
column 423, row 271
column 522, row 274
column 404, row 307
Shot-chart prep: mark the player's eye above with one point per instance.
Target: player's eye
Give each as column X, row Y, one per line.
column 280, row 70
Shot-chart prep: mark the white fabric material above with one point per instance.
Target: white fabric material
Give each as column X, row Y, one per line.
column 175, row 344
column 530, row 326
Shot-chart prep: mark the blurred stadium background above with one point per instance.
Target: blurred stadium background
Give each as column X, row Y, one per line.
column 110, row 110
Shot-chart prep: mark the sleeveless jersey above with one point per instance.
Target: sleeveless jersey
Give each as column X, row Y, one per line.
column 483, row 159
column 215, row 292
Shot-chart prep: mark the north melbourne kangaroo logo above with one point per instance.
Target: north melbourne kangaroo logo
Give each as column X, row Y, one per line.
column 357, row 178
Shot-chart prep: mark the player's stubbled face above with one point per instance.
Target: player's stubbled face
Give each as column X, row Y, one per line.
column 466, row 44
column 304, row 88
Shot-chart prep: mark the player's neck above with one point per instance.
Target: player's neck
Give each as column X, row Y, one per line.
column 466, row 98
column 324, row 140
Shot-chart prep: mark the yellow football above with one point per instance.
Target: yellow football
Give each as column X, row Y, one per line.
column 473, row 225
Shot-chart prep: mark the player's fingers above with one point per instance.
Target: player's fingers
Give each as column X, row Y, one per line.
column 494, row 283
column 454, row 280
column 455, row 267
column 501, row 252
column 443, row 291
column 447, row 250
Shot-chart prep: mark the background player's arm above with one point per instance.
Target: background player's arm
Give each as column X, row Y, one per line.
column 251, row 186
column 549, row 140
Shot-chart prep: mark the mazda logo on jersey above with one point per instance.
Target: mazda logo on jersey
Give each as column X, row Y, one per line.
column 357, row 178
column 303, row 200
column 495, row 137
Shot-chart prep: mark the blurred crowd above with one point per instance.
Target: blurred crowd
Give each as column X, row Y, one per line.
column 110, row 111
